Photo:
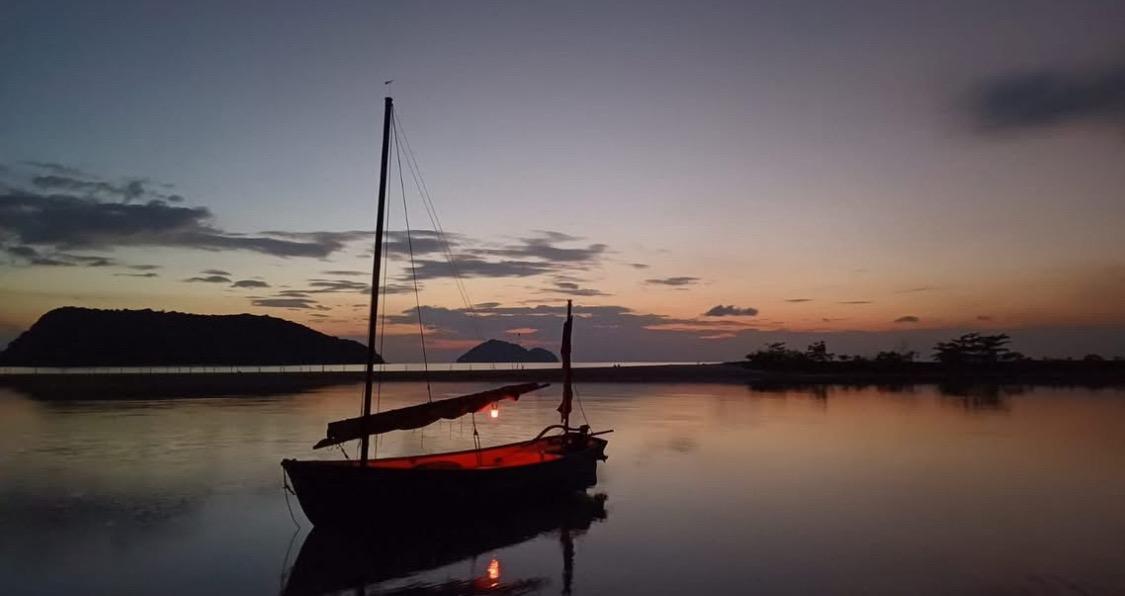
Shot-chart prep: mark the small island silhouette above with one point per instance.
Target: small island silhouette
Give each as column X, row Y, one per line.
column 72, row 336
column 495, row 350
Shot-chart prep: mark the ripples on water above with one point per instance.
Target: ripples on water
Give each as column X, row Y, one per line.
column 708, row 488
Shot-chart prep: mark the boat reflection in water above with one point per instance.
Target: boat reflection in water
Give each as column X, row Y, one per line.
column 334, row 560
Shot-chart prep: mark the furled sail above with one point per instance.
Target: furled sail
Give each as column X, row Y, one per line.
column 421, row 415
column 568, row 391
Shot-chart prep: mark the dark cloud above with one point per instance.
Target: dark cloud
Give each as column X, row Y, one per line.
column 129, row 191
column 25, row 252
column 284, row 302
column 544, row 246
column 730, row 311
column 144, row 267
column 855, row 302
column 149, row 274
column 324, row 286
column 602, row 330
column 210, row 279
column 674, row 281
column 638, row 265
column 571, row 288
column 526, row 257
column 29, row 255
column 577, row 292
column 346, row 273
column 56, row 168
column 984, row 318
column 250, row 283
column 907, row 319
column 214, row 272
column 67, row 222
column 63, row 179
column 423, row 243
column 476, row 267
column 798, row 300
column 1042, row 98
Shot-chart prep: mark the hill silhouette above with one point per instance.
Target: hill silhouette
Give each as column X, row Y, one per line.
column 73, row 336
column 495, row 350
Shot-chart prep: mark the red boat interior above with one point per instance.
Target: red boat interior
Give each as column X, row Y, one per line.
column 503, row 456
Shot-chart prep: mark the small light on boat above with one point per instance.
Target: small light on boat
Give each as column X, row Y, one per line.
column 494, row 570
column 495, row 411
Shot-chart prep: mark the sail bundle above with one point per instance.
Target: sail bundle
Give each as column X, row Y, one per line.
column 421, row 415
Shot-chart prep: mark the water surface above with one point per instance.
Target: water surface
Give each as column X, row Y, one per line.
column 708, row 488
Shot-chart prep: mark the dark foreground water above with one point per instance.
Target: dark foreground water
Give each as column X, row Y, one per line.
column 708, row 489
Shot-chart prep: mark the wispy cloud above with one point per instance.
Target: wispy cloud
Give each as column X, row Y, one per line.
column 284, row 302
column 250, row 283
column 28, row 255
column 571, row 288
column 730, row 311
column 66, row 209
column 209, row 279
column 907, row 319
column 1035, row 99
column 674, row 281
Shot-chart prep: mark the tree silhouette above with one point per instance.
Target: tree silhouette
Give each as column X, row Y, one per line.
column 976, row 349
column 818, row 352
column 895, row 357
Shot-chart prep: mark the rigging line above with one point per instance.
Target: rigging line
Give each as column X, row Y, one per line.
column 285, row 490
column 447, row 251
column 431, row 211
column 476, row 438
column 581, row 409
column 413, row 268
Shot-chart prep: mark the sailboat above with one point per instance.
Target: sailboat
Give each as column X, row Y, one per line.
column 561, row 459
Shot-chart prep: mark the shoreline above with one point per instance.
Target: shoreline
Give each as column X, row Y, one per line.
column 128, row 385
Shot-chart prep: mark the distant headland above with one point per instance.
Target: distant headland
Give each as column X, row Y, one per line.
column 495, row 350
column 73, row 336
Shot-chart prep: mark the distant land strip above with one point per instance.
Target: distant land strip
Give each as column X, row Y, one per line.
column 134, row 385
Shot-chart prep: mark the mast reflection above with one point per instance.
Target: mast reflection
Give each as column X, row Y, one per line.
column 333, row 560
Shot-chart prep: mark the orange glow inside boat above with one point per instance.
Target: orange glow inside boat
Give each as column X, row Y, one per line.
column 503, row 456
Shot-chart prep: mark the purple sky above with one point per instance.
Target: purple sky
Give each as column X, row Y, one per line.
column 878, row 174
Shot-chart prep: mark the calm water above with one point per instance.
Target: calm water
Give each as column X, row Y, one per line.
column 709, row 488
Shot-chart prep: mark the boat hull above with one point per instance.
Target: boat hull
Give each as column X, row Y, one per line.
column 344, row 493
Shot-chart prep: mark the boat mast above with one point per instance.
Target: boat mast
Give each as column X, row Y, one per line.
column 378, row 261
column 568, row 391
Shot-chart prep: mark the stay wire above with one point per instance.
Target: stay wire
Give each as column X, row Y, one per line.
column 431, row 211
column 581, row 409
column 413, row 267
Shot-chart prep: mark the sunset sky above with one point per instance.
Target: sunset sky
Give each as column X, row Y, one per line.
column 699, row 177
